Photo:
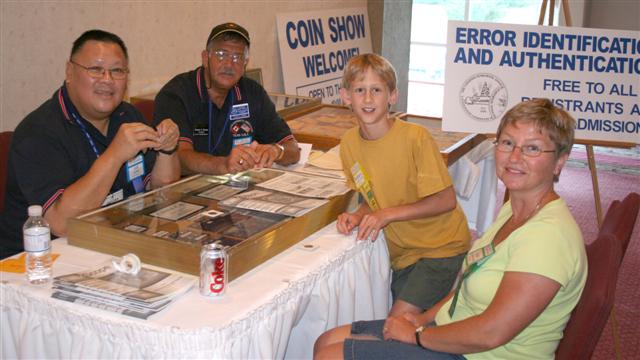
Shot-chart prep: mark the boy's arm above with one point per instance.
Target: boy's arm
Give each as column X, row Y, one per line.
column 432, row 205
column 435, row 204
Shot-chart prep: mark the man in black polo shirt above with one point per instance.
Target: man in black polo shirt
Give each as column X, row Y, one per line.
column 84, row 147
column 227, row 122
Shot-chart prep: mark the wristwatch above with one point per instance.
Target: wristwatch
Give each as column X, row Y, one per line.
column 281, row 151
column 419, row 331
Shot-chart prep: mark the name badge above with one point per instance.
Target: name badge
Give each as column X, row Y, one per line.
column 245, row 140
column 201, row 130
column 113, row 197
column 135, row 167
column 240, row 111
column 363, row 185
column 480, row 255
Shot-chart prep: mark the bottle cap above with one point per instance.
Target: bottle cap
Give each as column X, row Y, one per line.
column 35, row 210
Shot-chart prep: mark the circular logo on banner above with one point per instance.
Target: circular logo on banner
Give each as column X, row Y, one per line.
column 484, row 97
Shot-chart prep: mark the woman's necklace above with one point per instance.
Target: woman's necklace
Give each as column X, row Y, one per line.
column 532, row 213
column 510, row 225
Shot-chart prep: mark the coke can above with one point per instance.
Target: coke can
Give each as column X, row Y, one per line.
column 213, row 270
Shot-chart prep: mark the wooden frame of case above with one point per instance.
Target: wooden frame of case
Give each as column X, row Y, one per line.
column 102, row 230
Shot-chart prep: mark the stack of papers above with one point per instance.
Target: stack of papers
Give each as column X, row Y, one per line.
column 324, row 164
column 318, row 163
column 329, row 160
column 141, row 295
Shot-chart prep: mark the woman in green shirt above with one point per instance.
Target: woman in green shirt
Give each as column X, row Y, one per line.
column 520, row 280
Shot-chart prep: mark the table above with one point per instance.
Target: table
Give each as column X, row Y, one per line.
column 324, row 127
column 275, row 311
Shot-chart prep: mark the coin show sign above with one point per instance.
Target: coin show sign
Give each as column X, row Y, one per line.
column 594, row 74
column 315, row 47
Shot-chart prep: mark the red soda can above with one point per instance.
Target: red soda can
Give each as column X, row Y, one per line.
column 213, row 270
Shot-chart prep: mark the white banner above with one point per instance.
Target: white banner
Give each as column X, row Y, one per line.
column 315, row 47
column 594, row 74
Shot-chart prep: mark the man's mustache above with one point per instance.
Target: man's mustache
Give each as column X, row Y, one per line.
column 228, row 71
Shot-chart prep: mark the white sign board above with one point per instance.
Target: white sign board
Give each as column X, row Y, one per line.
column 316, row 46
column 594, row 74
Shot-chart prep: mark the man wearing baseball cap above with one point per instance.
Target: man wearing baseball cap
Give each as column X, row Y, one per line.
column 227, row 122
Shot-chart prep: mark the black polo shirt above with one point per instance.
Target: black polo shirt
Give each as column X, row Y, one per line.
column 49, row 151
column 247, row 114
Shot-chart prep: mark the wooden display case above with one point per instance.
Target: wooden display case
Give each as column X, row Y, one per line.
column 167, row 227
column 452, row 145
column 324, row 127
column 291, row 106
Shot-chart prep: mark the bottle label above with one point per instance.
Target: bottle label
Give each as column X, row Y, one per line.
column 36, row 242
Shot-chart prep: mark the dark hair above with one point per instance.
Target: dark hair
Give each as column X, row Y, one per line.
column 98, row 35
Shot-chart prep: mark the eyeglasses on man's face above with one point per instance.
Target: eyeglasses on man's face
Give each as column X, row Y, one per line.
column 222, row 55
column 531, row 150
column 98, row 71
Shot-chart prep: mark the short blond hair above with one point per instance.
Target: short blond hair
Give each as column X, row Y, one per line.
column 359, row 64
column 545, row 116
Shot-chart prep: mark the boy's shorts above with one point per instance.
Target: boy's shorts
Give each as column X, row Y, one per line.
column 427, row 281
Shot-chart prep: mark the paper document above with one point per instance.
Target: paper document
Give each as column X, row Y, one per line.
column 273, row 202
column 308, row 186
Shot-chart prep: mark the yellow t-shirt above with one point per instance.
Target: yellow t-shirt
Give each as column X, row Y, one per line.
column 549, row 244
column 405, row 166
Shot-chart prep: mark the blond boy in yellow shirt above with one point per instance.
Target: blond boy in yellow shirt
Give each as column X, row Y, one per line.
column 408, row 192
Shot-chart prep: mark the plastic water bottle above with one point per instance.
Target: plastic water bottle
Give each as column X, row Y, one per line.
column 37, row 244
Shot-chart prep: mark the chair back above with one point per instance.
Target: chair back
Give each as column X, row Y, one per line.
column 630, row 208
column 610, row 221
column 590, row 316
column 5, row 143
column 146, row 107
column 621, row 219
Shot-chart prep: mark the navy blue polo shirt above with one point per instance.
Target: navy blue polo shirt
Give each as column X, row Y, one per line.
column 49, row 151
column 247, row 114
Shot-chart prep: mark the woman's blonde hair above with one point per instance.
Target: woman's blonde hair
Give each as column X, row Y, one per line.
column 545, row 116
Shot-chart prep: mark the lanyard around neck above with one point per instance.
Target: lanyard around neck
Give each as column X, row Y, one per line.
column 479, row 257
column 68, row 106
column 224, row 127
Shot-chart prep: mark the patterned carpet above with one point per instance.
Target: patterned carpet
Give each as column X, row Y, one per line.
column 618, row 174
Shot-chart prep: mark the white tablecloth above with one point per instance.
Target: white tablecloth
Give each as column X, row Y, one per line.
column 474, row 178
column 275, row 311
